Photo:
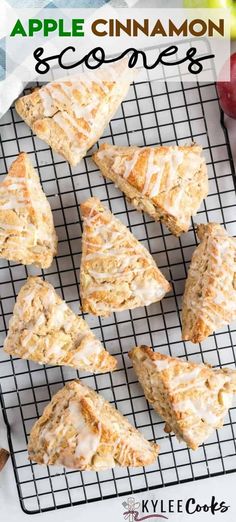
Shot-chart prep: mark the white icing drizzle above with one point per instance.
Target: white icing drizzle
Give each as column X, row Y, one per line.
column 47, row 102
column 162, row 364
column 57, row 318
column 156, row 166
column 96, row 78
column 14, row 203
column 32, row 330
column 65, row 126
column 151, row 169
column 17, row 228
column 27, row 300
column 130, row 164
column 73, row 121
column 188, row 376
column 166, row 163
column 200, row 409
column 91, row 347
column 87, row 441
column 49, row 298
column 56, row 349
column 69, row 125
column 147, row 291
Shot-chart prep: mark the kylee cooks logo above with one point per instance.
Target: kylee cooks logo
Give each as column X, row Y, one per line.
column 135, row 511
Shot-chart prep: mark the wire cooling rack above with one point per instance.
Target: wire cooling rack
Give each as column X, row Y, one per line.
column 153, row 113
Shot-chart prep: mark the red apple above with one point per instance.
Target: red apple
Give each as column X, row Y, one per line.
column 227, row 90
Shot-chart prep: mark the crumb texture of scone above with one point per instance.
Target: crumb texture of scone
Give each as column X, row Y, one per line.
column 209, row 300
column 45, row 330
column 117, row 272
column 192, row 398
column 27, row 233
column 79, row 429
column 169, row 183
column 71, row 114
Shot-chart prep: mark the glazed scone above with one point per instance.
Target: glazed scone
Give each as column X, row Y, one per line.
column 71, row 114
column 209, row 300
column 79, row 429
column 27, row 233
column 45, row 330
column 117, row 272
column 193, row 399
column 169, row 183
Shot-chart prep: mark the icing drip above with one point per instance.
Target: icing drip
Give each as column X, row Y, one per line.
column 130, row 164
column 162, row 364
column 87, row 440
column 186, row 377
column 147, row 291
column 151, row 169
column 91, row 348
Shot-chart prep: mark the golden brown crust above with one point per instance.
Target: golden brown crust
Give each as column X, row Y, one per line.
column 27, row 233
column 79, row 429
column 192, row 398
column 45, row 330
column 169, row 183
column 71, row 114
column 4, row 456
column 209, row 300
column 117, row 272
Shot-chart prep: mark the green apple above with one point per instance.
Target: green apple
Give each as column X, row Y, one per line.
column 217, row 4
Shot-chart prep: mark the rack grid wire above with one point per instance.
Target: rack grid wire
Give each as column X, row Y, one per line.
column 153, row 113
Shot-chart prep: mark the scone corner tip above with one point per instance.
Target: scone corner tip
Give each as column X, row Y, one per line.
column 90, row 204
column 144, row 348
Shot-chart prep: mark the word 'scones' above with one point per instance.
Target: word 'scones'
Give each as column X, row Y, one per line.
column 117, row 272
column 193, row 399
column 79, row 429
column 27, row 233
column 45, row 330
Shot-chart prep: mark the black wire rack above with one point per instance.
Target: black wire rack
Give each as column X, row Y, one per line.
column 153, row 113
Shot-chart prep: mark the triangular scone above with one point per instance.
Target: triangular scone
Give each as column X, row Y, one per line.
column 71, row 114
column 27, row 233
column 209, row 301
column 79, row 429
column 169, row 183
column 193, row 399
column 45, row 330
column 117, row 272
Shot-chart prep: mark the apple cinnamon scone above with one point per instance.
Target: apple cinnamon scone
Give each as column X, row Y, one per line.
column 45, row 330
column 79, row 429
column 117, row 272
column 209, row 300
column 27, row 233
column 192, row 398
column 71, row 114
column 169, row 183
